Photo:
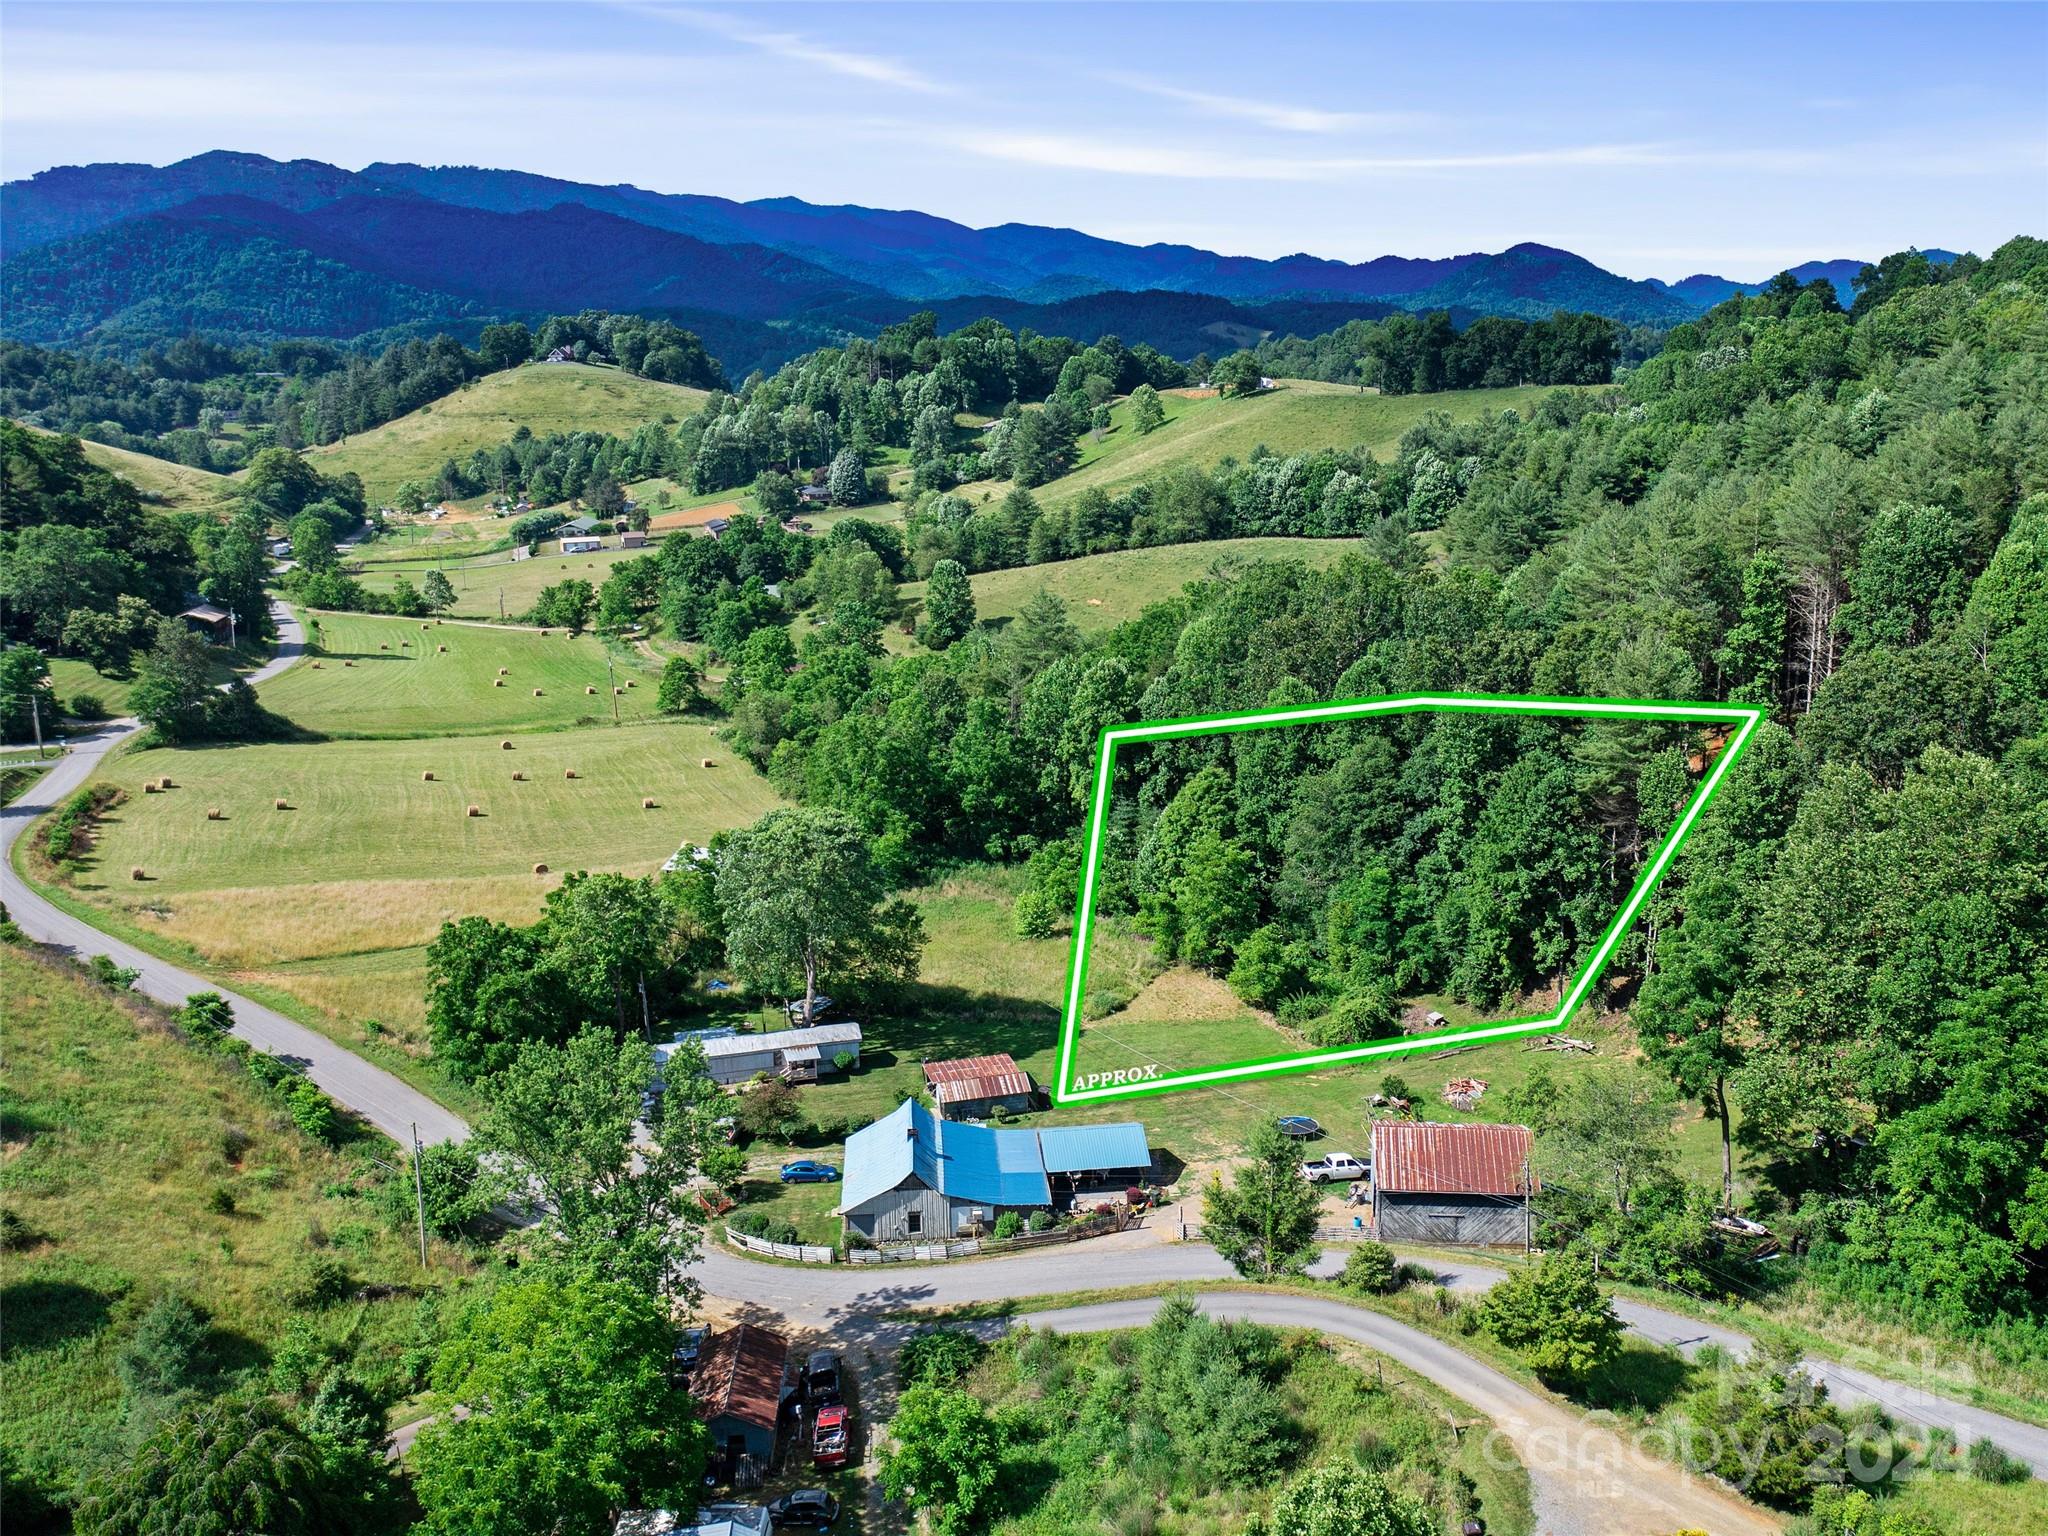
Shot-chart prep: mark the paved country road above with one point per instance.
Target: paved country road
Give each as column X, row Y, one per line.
column 1584, row 1477
column 384, row 1101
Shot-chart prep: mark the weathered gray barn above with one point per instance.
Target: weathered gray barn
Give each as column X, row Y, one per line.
column 912, row 1177
column 1464, row 1185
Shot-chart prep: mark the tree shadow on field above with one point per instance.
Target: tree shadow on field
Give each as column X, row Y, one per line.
column 935, row 1023
column 41, row 1314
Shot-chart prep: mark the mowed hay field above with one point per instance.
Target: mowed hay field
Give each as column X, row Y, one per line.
column 1297, row 416
column 545, row 397
column 119, row 1137
column 389, row 677
column 332, row 899
column 1102, row 591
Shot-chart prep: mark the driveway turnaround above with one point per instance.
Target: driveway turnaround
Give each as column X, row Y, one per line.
column 389, row 1104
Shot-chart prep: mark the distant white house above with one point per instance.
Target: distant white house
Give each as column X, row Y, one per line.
column 561, row 355
column 582, row 544
column 800, row 1055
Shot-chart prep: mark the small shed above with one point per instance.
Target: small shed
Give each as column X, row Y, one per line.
column 813, row 495
column 801, row 1055
column 1461, row 1185
column 214, row 623
column 740, row 1384
column 717, row 525
column 972, row 1086
column 632, row 538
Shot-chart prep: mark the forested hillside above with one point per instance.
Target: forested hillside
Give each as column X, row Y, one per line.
column 1844, row 520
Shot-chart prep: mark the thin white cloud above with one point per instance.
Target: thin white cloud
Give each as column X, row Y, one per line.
column 1288, row 117
column 798, row 49
column 1070, row 153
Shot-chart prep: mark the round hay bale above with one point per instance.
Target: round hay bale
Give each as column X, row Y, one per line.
column 382, row 646
column 137, row 874
column 703, row 762
column 543, row 634
column 427, row 777
column 540, row 869
column 504, row 671
column 631, row 684
column 442, row 649
column 165, row 783
column 426, row 626
column 504, row 746
column 518, row 777
column 213, row 812
column 474, row 810
column 149, row 786
column 437, row 621
column 497, row 682
column 589, row 688
column 316, row 666
column 280, row 805
column 618, row 690
column 568, row 773
column 348, row 663
column 536, row 693
column 647, row 802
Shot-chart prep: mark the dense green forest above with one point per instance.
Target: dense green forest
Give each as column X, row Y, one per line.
column 1840, row 518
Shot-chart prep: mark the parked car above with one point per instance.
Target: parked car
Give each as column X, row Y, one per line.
column 831, row 1440
column 1332, row 1166
column 822, row 1373
column 807, row 1508
column 805, row 1171
column 689, row 1345
column 1299, row 1128
column 820, row 1006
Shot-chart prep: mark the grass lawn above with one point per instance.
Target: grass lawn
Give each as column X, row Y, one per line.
column 117, row 1139
column 71, row 676
column 1298, row 416
column 1102, row 591
column 402, row 683
column 546, row 397
column 162, row 482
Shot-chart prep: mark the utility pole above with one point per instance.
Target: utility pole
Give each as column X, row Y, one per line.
column 35, row 713
column 419, row 1193
column 611, row 679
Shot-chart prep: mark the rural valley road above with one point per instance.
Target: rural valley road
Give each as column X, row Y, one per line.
column 1579, row 1484
column 1585, row 1478
column 392, row 1106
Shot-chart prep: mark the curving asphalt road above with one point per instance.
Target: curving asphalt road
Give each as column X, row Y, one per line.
column 384, row 1101
column 1585, row 1478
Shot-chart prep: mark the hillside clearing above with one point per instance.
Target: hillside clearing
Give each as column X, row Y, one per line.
column 1297, row 416
column 496, row 586
column 1102, row 591
column 543, row 397
column 162, row 482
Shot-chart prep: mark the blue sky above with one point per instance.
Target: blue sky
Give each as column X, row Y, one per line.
column 1658, row 140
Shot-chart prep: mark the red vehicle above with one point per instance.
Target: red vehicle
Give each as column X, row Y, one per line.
column 829, row 1440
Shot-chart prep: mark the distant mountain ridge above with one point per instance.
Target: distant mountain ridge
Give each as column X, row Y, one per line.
column 239, row 242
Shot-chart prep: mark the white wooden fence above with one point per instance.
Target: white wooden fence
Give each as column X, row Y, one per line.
column 802, row 1253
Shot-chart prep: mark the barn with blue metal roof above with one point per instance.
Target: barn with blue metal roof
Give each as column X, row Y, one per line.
column 913, row 1177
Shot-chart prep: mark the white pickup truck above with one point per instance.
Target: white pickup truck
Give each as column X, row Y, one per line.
column 1333, row 1166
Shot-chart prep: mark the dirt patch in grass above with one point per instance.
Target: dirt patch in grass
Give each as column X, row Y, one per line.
column 694, row 517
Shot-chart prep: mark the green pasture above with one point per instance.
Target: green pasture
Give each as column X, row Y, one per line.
column 495, row 585
column 389, row 677
column 545, row 397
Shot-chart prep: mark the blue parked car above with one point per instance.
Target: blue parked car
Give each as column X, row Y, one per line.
column 804, row 1171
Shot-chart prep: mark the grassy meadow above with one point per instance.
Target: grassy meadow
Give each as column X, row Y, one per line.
column 1298, row 416
column 389, row 677
column 495, row 586
column 546, row 397
column 71, row 676
column 176, row 487
column 122, row 1142
column 1102, row 591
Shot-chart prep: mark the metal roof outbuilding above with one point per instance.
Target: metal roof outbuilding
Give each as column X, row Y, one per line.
column 1422, row 1158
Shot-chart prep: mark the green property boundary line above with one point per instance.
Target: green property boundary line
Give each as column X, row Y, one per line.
column 1098, row 1086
